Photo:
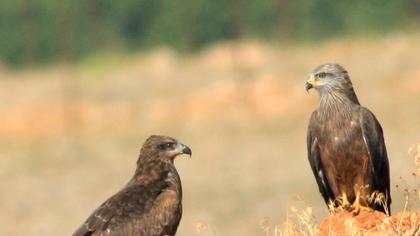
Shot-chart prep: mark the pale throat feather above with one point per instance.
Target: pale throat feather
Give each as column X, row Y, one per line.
column 333, row 104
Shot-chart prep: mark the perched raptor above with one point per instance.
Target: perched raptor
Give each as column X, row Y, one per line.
column 346, row 148
column 151, row 203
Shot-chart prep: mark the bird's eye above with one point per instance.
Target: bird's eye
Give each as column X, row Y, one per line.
column 322, row 75
column 166, row 146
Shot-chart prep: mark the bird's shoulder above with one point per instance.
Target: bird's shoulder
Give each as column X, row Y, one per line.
column 313, row 117
column 365, row 111
column 367, row 117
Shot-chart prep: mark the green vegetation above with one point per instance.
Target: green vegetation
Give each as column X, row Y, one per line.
column 43, row 31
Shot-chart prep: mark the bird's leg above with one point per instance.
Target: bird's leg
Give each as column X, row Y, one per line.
column 357, row 206
column 345, row 204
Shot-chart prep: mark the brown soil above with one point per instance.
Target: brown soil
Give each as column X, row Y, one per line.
column 371, row 223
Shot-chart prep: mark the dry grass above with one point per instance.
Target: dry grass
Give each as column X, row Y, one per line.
column 69, row 136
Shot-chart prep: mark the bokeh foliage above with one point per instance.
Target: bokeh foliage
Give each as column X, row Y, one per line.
column 44, row 31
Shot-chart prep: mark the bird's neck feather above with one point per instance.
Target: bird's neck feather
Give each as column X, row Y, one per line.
column 336, row 103
column 154, row 170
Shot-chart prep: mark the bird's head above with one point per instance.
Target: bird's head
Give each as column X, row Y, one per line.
column 329, row 78
column 163, row 148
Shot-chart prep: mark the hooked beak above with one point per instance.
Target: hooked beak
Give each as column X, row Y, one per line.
column 308, row 86
column 184, row 149
column 309, row 83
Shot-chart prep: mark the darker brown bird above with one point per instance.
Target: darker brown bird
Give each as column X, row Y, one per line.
column 346, row 148
column 151, row 203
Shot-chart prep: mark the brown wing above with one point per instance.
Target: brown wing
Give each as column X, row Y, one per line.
column 132, row 211
column 378, row 158
column 316, row 163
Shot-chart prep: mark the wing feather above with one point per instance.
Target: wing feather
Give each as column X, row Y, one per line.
column 115, row 216
column 316, row 163
column 378, row 158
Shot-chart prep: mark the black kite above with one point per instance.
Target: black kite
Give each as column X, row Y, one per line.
column 151, row 203
column 346, row 148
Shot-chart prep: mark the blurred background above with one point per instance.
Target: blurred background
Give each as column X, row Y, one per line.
column 84, row 83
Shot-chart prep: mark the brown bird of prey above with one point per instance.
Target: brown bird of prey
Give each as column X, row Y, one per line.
column 346, row 148
column 151, row 203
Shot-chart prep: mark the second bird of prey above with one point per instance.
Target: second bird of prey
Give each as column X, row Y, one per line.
column 346, row 148
column 151, row 202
